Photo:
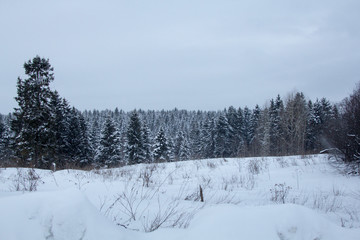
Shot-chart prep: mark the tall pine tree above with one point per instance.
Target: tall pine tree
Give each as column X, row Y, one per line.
column 109, row 151
column 32, row 119
column 134, row 149
column 161, row 147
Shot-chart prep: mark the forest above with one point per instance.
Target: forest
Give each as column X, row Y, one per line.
column 45, row 131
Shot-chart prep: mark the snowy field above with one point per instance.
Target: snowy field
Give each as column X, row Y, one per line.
column 269, row 198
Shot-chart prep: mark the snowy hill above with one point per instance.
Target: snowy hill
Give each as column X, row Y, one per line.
column 252, row 198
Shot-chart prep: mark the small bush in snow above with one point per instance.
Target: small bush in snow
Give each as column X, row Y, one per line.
column 254, row 166
column 326, row 202
column 26, row 180
column 146, row 175
column 282, row 162
column 211, row 165
column 80, row 180
column 279, row 193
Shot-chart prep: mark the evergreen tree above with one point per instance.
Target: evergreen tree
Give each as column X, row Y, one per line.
column 276, row 129
column 207, row 138
column 161, row 148
column 135, row 149
column 73, row 138
column 94, row 136
column 253, row 131
column 170, row 144
column 235, row 122
column 181, row 149
column 184, row 152
column 146, row 143
column 109, row 151
column 5, row 142
column 195, row 141
column 31, row 122
column 245, row 131
column 59, row 125
column 222, row 132
column 85, row 157
column 318, row 123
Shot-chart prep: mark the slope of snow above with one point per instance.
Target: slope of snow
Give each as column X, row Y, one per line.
column 53, row 215
column 243, row 198
column 271, row 222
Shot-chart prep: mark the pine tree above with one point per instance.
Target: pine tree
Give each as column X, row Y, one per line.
column 181, row 149
column 31, row 122
column 184, row 151
column 146, row 143
column 73, row 138
column 195, row 142
column 253, row 131
column 135, row 149
column 161, row 148
column 60, row 110
column 5, row 142
column 109, row 151
column 94, row 136
column 276, row 129
column 207, row 138
column 235, row 122
column 246, row 136
column 222, row 132
column 85, row 157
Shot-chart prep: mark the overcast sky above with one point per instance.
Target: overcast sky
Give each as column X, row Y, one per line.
column 187, row 54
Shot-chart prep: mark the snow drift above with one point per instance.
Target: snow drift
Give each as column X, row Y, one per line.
column 69, row 215
column 271, row 222
column 54, row 215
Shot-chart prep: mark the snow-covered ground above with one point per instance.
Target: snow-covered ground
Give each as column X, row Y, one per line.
column 250, row 198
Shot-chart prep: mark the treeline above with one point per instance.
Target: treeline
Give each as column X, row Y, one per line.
column 46, row 130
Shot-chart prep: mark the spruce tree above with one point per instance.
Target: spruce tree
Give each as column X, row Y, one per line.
column 94, row 136
column 85, row 157
column 73, row 139
column 246, row 130
column 207, row 138
column 235, row 135
column 195, row 142
column 276, row 130
column 161, row 148
column 60, row 117
column 184, row 151
column 109, row 151
column 134, row 149
column 5, row 142
column 222, row 132
column 32, row 119
column 179, row 141
column 146, row 143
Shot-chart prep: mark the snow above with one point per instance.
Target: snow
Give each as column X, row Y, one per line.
column 321, row 203
column 265, row 222
column 65, row 214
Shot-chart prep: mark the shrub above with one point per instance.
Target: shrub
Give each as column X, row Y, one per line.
column 279, row 193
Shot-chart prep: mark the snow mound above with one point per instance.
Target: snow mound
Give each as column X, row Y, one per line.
column 271, row 222
column 53, row 215
column 68, row 214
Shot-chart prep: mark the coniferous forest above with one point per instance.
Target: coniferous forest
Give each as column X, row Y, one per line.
column 45, row 130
